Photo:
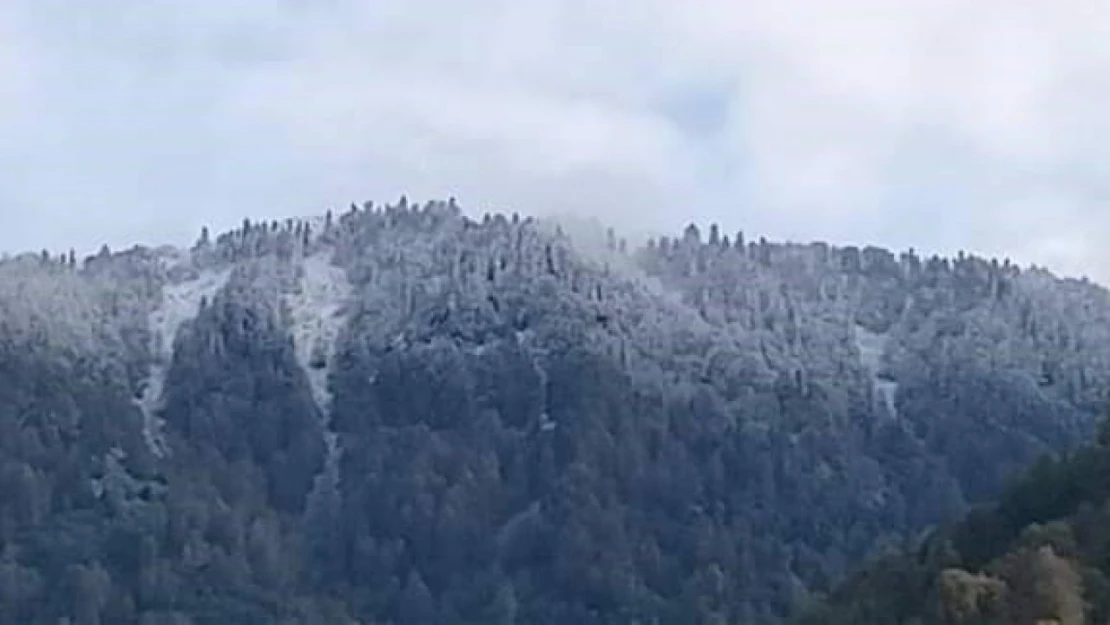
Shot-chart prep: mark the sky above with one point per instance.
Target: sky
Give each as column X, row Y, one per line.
column 939, row 125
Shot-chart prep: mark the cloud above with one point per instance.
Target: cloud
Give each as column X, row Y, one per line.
column 940, row 125
column 984, row 112
column 17, row 68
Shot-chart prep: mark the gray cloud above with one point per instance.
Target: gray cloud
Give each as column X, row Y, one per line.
column 937, row 125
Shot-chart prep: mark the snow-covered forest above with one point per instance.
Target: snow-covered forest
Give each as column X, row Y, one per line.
column 402, row 414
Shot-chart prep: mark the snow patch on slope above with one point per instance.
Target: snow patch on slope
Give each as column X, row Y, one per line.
column 180, row 303
column 871, row 346
column 317, row 307
column 526, row 340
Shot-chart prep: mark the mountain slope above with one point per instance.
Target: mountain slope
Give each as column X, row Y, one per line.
column 400, row 414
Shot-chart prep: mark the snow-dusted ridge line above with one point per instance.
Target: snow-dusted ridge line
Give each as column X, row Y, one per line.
column 180, row 303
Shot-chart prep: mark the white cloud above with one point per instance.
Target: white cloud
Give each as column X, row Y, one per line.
column 16, row 72
column 838, row 92
column 942, row 125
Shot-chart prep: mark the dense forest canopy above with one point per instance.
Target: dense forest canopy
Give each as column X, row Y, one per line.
column 401, row 414
column 1041, row 554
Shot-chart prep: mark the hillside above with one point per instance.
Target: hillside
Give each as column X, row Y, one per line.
column 399, row 414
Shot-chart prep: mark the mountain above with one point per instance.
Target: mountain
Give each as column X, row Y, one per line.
column 404, row 415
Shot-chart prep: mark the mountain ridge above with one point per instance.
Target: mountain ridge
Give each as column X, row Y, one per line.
column 424, row 417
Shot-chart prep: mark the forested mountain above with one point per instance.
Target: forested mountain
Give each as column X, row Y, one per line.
column 404, row 415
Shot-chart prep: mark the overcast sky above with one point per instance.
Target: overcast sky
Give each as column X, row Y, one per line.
column 935, row 124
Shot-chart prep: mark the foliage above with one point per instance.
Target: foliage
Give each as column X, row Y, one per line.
column 1038, row 555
